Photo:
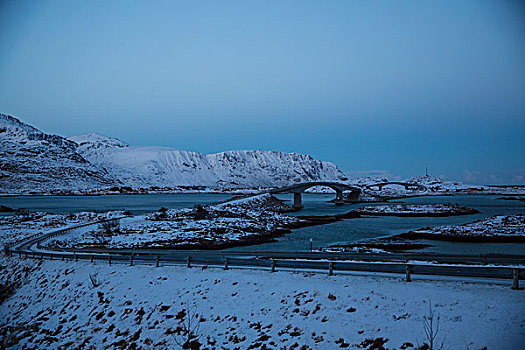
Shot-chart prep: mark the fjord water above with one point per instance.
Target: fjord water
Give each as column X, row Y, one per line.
column 136, row 203
column 345, row 231
column 354, row 230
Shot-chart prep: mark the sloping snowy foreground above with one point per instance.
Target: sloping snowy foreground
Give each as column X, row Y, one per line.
column 58, row 305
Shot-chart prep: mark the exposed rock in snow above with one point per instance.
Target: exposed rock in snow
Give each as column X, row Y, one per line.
column 32, row 161
column 264, row 202
column 93, row 142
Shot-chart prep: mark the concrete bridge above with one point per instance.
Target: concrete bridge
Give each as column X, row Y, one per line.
column 406, row 185
column 298, row 189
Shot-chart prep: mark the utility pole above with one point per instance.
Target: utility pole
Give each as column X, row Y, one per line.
column 426, row 171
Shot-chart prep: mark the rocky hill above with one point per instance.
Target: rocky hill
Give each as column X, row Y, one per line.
column 32, row 161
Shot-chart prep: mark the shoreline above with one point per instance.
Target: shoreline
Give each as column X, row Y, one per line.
column 414, row 235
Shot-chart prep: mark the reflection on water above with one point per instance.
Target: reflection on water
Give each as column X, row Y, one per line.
column 350, row 230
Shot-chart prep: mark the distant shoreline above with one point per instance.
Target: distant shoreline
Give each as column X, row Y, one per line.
column 254, row 192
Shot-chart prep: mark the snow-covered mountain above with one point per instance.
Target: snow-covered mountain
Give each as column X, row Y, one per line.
column 162, row 166
column 32, row 161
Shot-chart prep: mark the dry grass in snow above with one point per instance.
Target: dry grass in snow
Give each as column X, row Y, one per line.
column 65, row 304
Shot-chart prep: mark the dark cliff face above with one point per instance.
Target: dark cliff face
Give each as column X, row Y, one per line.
column 33, row 161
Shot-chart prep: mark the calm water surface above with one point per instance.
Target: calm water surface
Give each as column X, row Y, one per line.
column 136, row 203
column 345, row 231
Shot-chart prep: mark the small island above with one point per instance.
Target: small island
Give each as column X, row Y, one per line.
column 416, row 210
column 495, row 229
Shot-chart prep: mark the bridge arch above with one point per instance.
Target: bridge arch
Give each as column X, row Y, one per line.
column 299, row 188
column 406, row 185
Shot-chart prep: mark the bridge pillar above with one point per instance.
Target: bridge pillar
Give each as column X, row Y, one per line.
column 353, row 197
column 339, row 198
column 297, row 201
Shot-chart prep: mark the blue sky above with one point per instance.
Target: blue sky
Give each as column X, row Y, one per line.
column 369, row 85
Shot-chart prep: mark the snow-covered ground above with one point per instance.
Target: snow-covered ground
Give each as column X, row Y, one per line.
column 415, row 209
column 72, row 305
column 14, row 228
column 247, row 220
column 493, row 228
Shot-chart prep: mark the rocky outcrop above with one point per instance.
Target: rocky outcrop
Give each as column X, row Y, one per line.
column 33, row 161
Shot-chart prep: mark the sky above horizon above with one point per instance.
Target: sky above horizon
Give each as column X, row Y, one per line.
column 375, row 87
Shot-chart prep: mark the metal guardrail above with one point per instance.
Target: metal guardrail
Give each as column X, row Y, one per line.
column 230, row 259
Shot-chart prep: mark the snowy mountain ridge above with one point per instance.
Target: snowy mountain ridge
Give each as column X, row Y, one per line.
column 145, row 166
column 33, row 161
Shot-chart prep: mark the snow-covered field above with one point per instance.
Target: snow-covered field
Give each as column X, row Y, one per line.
column 58, row 305
column 246, row 220
column 415, row 209
column 493, row 228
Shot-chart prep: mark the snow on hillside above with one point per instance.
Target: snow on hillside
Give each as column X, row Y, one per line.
column 32, row 161
column 92, row 142
column 145, row 166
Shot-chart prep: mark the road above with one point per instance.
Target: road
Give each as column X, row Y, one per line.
column 487, row 266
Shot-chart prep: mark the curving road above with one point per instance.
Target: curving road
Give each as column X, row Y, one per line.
column 485, row 266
